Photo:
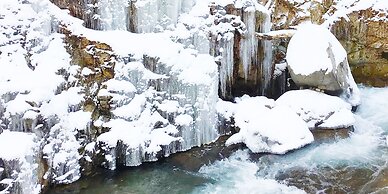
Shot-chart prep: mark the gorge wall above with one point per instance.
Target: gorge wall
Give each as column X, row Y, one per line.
column 133, row 81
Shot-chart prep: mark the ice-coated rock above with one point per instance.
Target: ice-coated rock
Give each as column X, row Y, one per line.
column 316, row 59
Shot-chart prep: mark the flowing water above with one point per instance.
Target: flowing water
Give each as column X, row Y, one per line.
column 358, row 164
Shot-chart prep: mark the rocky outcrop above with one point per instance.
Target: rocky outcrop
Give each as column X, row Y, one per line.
column 290, row 13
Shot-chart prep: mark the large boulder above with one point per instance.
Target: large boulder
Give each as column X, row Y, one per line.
column 316, row 59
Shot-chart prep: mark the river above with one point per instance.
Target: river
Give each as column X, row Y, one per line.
column 357, row 164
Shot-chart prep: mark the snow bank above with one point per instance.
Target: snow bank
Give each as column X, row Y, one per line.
column 265, row 128
column 318, row 109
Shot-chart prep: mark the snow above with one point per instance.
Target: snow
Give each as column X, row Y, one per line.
column 318, row 109
column 184, row 120
column 342, row 118
column 282, row 125
column 120, row 86
column 226, row 109
column 10, row 149
column 321, row 62
column 279, row 69
column 135, row 136
column 307, row 54
column 133, row 109
column 183, row 85
column 260, row 129
column 342, row 8
column 90, row 146
column 86, row 71
column 268, row 135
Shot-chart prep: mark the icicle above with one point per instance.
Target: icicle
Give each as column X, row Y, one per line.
column 227, row 62
column 249, row 43
column 158, row 15
column 267, row 49
column 113, row 14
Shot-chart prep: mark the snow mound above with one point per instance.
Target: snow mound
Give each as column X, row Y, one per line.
column 318, row 109
column 317, row 59
column 260, row 129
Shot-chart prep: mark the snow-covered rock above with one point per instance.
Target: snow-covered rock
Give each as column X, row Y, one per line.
column 265, row 128
column 275, row 130
column 316, row 58
column 317, row 109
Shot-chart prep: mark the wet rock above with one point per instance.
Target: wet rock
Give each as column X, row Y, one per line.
column 328, row 179
column 323, row 135
column 379, row 183
column 193, row 159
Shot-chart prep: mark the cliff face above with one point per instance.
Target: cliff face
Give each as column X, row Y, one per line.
column 364, row 36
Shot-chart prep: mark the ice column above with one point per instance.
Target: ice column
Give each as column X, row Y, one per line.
column 267, row 49
column 227, row 62
column 253, row 51
column 157, row 15
column 113, row 14
column 249, row 43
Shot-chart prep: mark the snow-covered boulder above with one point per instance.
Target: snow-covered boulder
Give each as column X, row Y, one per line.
column 316, row 58
column 265, row 128
column 317, row 109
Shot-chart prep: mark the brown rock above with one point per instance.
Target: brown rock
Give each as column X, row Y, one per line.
column 365, row 39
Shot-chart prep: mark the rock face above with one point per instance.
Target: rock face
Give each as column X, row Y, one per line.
column 320, row 63
column 288, row 13
column 364, row 36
